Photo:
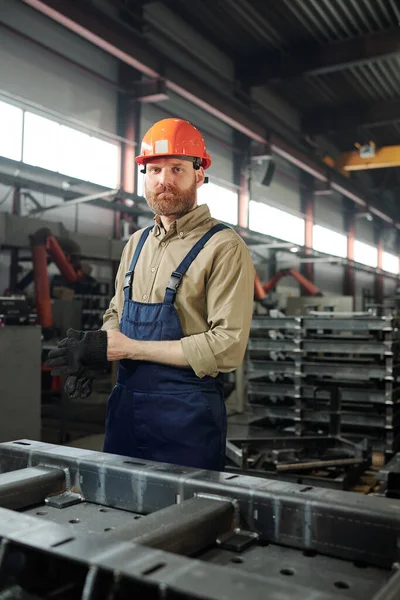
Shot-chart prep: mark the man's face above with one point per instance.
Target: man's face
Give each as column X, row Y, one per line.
column 171, row 186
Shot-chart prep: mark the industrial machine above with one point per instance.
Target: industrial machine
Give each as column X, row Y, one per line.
column 77, row 524
column 261, row 291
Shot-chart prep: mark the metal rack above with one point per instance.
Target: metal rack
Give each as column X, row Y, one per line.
column 293, row 362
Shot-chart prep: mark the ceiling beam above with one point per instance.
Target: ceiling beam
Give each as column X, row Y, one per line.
column 317, row 120
column 318, row 60
column 382, row 158
column 133, row 50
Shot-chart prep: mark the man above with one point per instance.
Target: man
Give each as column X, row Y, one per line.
column 180, row 316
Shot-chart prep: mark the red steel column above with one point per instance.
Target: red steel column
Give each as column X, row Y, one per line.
column 307, row 208
column 378, row 284
column 349, row 284
column 128, row 125
column 241, row 159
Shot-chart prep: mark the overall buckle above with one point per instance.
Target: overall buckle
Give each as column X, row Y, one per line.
column 128, row 279
column 174, row 281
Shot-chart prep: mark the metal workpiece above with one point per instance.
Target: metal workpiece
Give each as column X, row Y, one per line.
column 292, row 363
column 349, row 394
column 172, row 532
column 389, row 476
column 326, row 461
column 184, row 528
column 349, row 323
column 30, row 485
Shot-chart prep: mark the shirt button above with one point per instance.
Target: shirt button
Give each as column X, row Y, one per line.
column 162, row 243
column 145, row 297
column 153, row 269
column 181, row 234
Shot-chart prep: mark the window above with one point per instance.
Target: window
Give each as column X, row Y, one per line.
column 41, row 142
column 390, row 263
column 276, row 223
column 55, row 147
column 74, row 156
column 223, row 203
column 103, row 168
column 11, row 131
column 365, row 254
column 329, row 241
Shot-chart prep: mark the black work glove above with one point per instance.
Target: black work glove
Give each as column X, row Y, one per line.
column 82, row 356
column 81, row 386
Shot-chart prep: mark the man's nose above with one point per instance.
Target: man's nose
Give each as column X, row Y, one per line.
column 165, row 177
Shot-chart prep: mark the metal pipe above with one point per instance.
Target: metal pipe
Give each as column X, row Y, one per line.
column 26, row 487
column 182, row 528
column 80, row 200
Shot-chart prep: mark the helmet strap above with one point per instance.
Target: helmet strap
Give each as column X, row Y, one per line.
column 197, row 163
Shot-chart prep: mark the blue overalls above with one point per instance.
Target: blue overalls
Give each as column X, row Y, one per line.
column 159, row 412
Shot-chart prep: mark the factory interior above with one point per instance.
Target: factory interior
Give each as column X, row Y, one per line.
column 298, row 102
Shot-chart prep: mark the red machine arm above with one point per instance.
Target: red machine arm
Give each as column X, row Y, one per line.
column 261, row 291
column 43, row 243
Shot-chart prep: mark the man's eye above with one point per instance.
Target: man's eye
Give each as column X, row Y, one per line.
column 177, row 169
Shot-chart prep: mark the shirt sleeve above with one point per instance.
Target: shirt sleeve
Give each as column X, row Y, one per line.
column 230, row 294
column 111, row 316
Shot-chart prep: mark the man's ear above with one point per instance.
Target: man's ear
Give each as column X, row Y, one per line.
column 199, row 177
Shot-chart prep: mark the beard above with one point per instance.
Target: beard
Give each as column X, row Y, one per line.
column 171, row 201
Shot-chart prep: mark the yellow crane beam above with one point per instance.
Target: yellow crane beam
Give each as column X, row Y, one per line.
column 388, row 156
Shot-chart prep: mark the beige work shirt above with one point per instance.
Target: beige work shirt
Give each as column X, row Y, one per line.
column 215, row 299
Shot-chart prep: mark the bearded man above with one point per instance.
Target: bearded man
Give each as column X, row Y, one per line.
column 180, row 316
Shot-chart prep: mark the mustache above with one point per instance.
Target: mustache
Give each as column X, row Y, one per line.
column 162, row 189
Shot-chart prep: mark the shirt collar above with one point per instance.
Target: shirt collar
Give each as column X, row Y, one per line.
column 186, row 223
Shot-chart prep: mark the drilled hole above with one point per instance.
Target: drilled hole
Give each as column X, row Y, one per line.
column 109, row 528
column 152, row 570
column 237, row 559
column 41, row 513
column 103, row 510
column 342, row 585
column 231, row 477
column 71, row 539
column 74, row 521
column 137, row 518
column 22, row 443
column 309, row 553
column 287, row 571
column 360, row 564
column 306, row 489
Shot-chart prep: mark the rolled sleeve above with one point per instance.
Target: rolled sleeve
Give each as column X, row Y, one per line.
column 199, row 355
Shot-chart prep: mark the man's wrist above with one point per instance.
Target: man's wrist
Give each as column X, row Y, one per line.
column 132, row 350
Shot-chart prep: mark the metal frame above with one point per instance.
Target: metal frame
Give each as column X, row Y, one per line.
column 181, row 511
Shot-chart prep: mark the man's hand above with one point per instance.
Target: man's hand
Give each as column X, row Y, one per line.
column 78, row 351
column 72, row 358
column 119, row 346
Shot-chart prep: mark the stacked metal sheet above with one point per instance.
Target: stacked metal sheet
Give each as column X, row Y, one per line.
column 295, row 362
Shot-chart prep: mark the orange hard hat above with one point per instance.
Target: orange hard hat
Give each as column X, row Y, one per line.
column 174, row 137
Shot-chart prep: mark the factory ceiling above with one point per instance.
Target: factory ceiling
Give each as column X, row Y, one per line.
column 335, row 62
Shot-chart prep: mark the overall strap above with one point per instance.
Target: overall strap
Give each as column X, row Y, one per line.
column 129, row 275
column 176, row 277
